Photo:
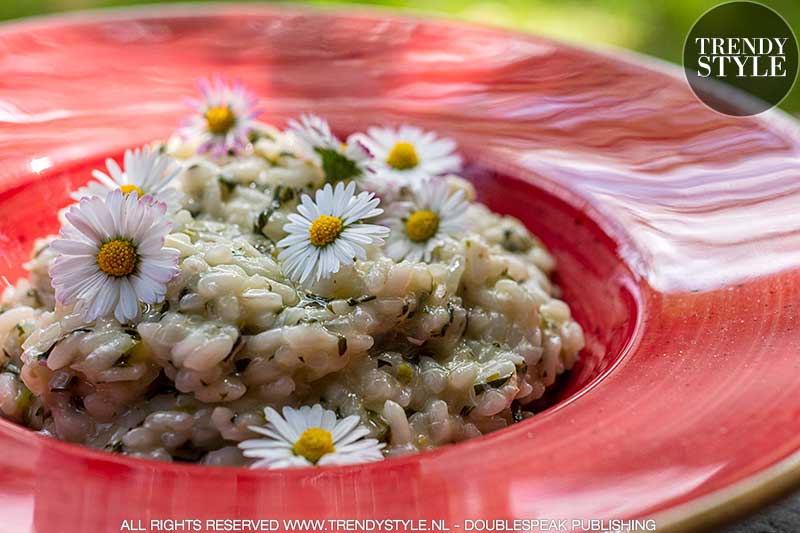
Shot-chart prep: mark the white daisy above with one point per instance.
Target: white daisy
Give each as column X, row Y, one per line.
column 310, row 436
column 421, row 225
column 339, row 161
column 146, row 172
column 328, row 232
column 112, row 256
column 225, row 117
column 410, row 154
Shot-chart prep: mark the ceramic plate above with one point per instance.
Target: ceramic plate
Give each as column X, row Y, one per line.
column 676, row 230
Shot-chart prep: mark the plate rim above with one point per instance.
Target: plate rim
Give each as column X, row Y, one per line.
column 722, row 506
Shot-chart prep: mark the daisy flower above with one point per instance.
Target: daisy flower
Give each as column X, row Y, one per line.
column 326, row 233
column 146, row 172
column 225, row 117
column 421, row 225
column 310, row 436
column 409, row 153
column 339, row 161
column 112, row 256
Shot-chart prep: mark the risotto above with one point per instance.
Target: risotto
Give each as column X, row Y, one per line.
column 253, row 270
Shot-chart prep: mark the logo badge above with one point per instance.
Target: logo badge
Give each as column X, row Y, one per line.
column 741, row 58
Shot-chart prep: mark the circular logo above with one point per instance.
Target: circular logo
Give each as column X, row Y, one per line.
column 740, row 58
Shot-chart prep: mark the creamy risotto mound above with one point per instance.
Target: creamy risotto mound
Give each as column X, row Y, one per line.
column 283, row 269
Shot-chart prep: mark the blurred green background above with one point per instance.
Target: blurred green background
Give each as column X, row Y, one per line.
column 655, row 27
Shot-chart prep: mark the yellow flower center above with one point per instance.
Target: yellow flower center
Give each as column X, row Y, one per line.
column 422, row 225
column 220, row 119
column 117, row 258
column 403, row 156
column 129, row 188
column 313, row 444
column 324, row 230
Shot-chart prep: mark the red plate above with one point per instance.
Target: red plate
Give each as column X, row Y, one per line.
column 676, row 230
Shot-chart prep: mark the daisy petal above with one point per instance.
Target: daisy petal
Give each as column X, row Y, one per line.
column 306, row 429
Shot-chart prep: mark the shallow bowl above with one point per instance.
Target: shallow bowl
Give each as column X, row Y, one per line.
column 675, row 229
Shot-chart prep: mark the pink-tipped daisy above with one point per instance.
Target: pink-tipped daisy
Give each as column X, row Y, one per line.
column 112, row 256
column 224, row 117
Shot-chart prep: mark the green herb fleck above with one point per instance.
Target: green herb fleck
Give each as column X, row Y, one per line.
column 114, row 447
column 492, row 382
column 337, row 166
column 310, row 299
column 24, row 398
column 280, row 195
column 405, row 374
column 360, row 300
column 33, row 293
column 228, row 185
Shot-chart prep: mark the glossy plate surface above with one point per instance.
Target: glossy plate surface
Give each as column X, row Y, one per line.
column 677, row 232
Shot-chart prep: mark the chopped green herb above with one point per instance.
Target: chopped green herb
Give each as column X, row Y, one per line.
column 515, row 242
column 24, row 398
column 263, row 219
column 114, row 447
column 132, row 332
column 337, row 166
column 33, row 293
column 360, row 300
column 492, row 382
column 309, row 299
column 185, row 404
column 405, row 374
column 280, row 195
column 497, row 383
column 228, row 184
column 384, row 433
